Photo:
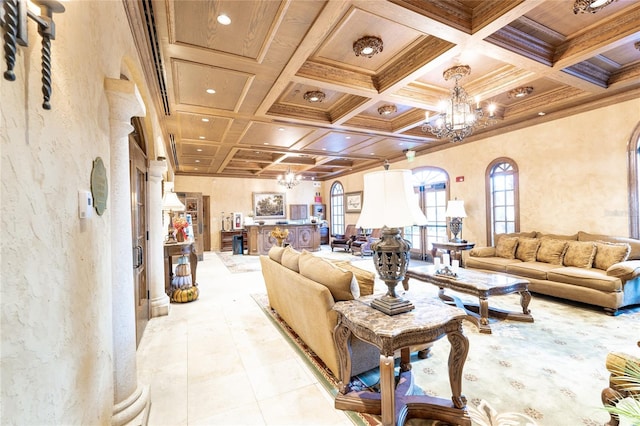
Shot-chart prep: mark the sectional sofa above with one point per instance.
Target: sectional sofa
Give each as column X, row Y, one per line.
column 600, row 270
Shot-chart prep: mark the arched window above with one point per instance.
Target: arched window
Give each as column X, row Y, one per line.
column 634, row 183
column 503, row 211
column 337, row 209
column 432, row 184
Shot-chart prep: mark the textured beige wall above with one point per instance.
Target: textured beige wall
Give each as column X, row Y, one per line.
column 572, row 172
column 57, row 347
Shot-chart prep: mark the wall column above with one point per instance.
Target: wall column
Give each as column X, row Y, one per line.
column 131, row 400
column 160, row 302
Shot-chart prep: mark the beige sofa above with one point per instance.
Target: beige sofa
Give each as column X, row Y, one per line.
column 302, row 289
column 600, row 270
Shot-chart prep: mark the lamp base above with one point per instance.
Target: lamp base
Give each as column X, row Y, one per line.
column 392, row 305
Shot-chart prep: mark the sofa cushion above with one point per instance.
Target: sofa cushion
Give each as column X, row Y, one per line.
column 579, row 254
column 537, row 270
column 633, row 243
column 497, row 264
column 482, row 252
column 337, row 280
column 585, row 277
column 365, row 279
column 609, row 253
column 551, row 251
column 275, row 253
column 527, row 249
column 290, row 259
column 506, row 247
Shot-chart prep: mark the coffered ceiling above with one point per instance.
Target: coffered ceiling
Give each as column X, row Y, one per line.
column 258, row 124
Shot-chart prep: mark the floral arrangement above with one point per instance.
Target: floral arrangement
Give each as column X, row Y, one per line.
column 180, row 225
column 279, row 234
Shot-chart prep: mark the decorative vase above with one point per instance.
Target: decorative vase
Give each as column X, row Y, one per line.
column 180, row 236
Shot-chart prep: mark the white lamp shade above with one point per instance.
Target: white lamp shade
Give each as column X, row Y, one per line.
column 170, row 201
column 455, row 208
column 389, row 200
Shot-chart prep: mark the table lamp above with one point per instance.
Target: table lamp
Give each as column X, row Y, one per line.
column 171, row 203
column 455, row 210
column 390, row 204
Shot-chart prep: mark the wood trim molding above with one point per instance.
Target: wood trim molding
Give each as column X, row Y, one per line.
column 632, row 173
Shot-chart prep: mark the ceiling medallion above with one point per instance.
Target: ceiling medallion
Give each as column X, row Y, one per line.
column 367, row 46
column 590, row 6
column 387, row 109
column 314, row 96
column 520, row 92
column 458, row 116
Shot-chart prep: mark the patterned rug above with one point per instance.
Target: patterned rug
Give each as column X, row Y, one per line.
column 239, row 263
column 546, row 373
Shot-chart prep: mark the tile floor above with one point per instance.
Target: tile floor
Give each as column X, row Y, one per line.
column 220, row 361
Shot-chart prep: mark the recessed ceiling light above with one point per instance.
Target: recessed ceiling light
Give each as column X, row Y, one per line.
column 387, row 109
column 372, row 153
column 201, row 137
column 542, row 113
column 314, row 96
column 197, row 161
column 211, row 91
column 265, row 143
column 348, row 137
column 520, row 92
column 195, row 168
column 367, row 46
column 206, row 120
column 199, row 149
column 224, row 19
column 281, row 129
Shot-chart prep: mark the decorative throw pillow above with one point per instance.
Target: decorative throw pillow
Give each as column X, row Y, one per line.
column 320, row 270
column 609, row 253
column 290, row 259
column 579, row 254
column 365, row 279
column 275, row 253
column 506, row 247
column 527, row 249
column 551, row 251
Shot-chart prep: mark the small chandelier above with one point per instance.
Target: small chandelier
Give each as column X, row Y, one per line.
column 520, row 92
column 387, row 109
column 591, row 6
column 458, row 117
column 367, row 46
column 314, row 96
column 289, row 180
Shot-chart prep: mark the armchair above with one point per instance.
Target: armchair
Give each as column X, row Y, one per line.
column 344, row 241
column 624, row 382
column 362, row 244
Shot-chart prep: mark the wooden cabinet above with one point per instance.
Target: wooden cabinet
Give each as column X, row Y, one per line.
column 226, row 239
column 298, row 212
column 301, row 236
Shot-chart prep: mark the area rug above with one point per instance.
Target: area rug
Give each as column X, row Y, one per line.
column 546, row 373
column 239, row 263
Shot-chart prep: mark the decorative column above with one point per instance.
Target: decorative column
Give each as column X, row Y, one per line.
column 131, row 400
column 160, row 302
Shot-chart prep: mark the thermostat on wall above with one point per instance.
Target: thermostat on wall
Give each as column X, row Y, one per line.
column 85, row 204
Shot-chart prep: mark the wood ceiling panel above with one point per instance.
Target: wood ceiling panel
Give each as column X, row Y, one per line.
column 336, row 142
column 252, row 25
column 209, row 128
column 338, row 46
column 273, row 134
column 294, row 95
column 192, row 81
column 201, row 149
column 382, row 148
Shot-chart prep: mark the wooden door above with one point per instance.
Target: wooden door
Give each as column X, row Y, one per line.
column 138, row 178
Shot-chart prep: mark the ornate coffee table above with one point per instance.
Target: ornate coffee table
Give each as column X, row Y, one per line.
column 481, row 284
column 428, row 322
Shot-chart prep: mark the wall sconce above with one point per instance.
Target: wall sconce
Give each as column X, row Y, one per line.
column 15, row 24
column 410, row 153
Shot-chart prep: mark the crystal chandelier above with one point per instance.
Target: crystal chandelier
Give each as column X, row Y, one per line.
column 590, row 6
column 458, row 117
column 289, row 180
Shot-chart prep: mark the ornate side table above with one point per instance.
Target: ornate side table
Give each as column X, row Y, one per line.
column 428, row 322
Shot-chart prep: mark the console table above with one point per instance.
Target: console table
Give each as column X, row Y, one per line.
column 179, row 249
column 301, row 236
column 428, row 322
